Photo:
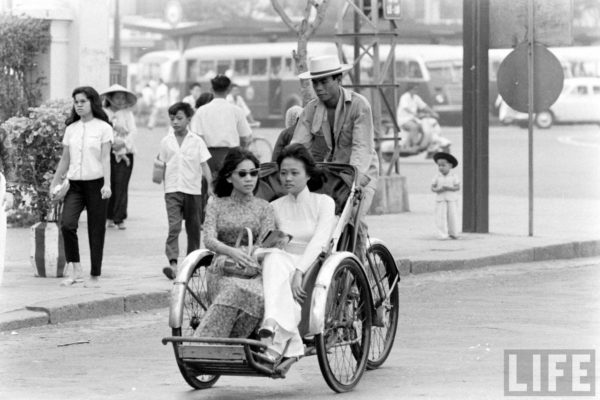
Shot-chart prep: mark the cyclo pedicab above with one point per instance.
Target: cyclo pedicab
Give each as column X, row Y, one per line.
column 349, row 317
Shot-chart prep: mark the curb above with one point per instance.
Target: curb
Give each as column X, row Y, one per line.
column 102, row 305
column 562, row 251
column 92, row 306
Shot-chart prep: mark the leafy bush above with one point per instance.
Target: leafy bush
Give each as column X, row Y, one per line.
column 35, row 151
column 22, row 39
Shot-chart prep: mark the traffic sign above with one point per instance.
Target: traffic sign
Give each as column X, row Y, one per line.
column 513, row 79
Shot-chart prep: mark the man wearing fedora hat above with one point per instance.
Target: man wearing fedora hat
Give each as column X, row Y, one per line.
column 339, row 124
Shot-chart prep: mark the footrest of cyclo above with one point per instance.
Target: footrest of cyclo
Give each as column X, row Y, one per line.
column 227, row 356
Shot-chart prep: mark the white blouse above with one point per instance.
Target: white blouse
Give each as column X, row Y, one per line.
column 85, row 140
column 125, row 119
column 310, row 219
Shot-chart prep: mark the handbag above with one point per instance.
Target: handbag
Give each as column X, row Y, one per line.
column 158, row 171
column 230, row 267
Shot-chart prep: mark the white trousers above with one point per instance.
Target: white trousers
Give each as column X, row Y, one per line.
column 280, row 306
column 446, row 218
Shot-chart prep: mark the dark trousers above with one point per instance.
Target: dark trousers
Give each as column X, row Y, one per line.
column 217, row 156
column 85, row 195
column 120, row 174
column 182, row 206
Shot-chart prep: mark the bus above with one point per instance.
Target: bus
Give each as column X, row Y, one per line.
column 265, row 72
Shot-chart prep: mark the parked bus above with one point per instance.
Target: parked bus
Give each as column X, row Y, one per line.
column 265, row 72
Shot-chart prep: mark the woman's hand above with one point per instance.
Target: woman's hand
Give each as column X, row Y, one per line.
column 297, row 291
column 105, row 192
column 242, row 258
column 118, row 144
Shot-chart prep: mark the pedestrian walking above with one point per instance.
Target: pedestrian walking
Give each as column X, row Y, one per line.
column 159, row 104
column 222, row 125
column 85, row 162
column 446, row 185
column 195, row 91
column 118, row 104
column 337, row 127
column 185, row 156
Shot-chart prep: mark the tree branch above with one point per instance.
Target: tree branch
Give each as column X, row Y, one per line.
column 284, row 17
column 321, row 10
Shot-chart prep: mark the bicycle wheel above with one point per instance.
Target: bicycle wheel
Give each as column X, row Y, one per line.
column 262, row 149
column 195, row 303
column 342, row 348
column 382, row 274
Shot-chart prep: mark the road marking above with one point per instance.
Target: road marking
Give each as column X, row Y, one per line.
column 575, row 141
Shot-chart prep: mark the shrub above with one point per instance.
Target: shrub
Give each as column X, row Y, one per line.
column 35, row 151
column 22, row 39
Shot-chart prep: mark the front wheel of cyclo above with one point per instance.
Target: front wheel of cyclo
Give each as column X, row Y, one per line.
column 195, row 303
column 383, row 279
column 343, row 347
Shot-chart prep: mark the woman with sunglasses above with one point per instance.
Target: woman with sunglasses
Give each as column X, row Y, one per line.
column 236, row 304
column 309, row 217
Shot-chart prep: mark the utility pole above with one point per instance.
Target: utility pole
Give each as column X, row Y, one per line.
column 475, row 116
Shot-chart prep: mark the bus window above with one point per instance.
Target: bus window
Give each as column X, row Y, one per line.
column 288, row 67
column 223, row 66
column 206, row 69
column 414, row 70
column 241, row 67
column 192, row 69
column 259, row 67
column 401, row 70
column 275, row 67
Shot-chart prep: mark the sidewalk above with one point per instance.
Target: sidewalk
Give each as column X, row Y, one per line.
column 132, row 279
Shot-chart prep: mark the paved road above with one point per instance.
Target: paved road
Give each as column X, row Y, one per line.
column 454, row 328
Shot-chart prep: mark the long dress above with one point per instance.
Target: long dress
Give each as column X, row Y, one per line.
column 2, row 225
column 237, row 305
column 309, row 218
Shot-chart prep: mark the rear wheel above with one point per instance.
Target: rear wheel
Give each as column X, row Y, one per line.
column 262, row 149
column 195, row 303
column 383, row 279
column 343, row 347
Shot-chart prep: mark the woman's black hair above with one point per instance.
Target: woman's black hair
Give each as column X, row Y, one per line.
column 96, row 105
column 234, row 157
column 204, row 98
column 298, row 152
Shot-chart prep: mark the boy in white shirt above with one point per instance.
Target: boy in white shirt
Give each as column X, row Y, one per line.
column 446, row 184
column 185, row 155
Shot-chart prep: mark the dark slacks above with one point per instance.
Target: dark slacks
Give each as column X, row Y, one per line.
column 182, row 206
column 85, row 195
column 120, row 174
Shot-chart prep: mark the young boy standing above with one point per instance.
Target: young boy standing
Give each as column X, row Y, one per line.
column 446, row 184
column 185, row 155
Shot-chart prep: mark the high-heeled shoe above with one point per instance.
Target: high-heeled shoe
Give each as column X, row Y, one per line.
column 267, row 329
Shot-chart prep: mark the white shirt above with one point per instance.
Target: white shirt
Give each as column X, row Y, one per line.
column 309, row 218
column 446, row 180
column 408, row 107
column 126, row 120
column 183, row 171
column 220, row 123
column 85, row 140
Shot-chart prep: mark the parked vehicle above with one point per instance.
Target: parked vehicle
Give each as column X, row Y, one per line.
column 579, row 102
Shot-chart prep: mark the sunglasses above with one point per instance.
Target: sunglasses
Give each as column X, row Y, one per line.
column 242, row 173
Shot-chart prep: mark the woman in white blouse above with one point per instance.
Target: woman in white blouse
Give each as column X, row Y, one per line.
column 309, row 217
column 86, row 163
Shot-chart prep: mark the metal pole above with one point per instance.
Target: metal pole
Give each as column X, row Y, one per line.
column 117, row 33
column 530, row 100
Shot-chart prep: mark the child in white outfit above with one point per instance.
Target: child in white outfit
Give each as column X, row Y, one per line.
column 446, row 184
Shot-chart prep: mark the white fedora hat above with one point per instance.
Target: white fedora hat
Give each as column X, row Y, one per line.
column 319, row 67
column 129, row 95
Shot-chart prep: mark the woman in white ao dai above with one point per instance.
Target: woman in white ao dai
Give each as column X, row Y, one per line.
column 309, row 218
